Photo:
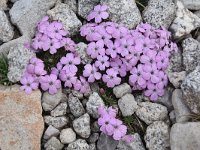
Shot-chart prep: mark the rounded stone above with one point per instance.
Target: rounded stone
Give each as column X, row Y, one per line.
column 67, row 136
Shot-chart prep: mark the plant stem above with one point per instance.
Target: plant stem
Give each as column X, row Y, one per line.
column 140, row 4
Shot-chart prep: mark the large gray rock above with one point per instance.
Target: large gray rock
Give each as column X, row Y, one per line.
column 159, row 13
column 150, row 112
column 106, row 143
column 127, row 105
column 136, row 144
column 85, row 6
column 191, row 54
column 93, row 103
column 63, row 13
column 185, row 136
column 6, row 29
column 181, row 110
column 191, row 90
column 75, row 106
column 79, row 144
column 57, row 122
column 25, row 14
column 123, row 11
column 176, row 78
column 18, row 58
column 72, row 4
column 157, row 136
column 53, row 144
column 82, row 126
column 60, row 110
column 184, row 22
column 192, row 4
column 50, row 131
column 67, row 136
column 3, row 4
column 121, row 90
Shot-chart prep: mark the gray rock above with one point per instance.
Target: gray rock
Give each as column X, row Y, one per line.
column 185, row 136
column 191, row 90
column 93, row 103
column 49, row 102
column 93, row 137
column 184, row 22
column 157, row 136
column 172, row 117
column 57, row 122
column 3, row 4
column 136, row 144
column 25, row 14
column 85, row 6
column 192, row 4
column 95, row 127
column 13, row 1
column 82, row 126
column 121, row 90
column 60, row 110
column 72, row 4
column 176, row 78
column 18, row 58
column 67, row 136
column 159, row 13
column 81, row 50
column 106, row 143
column 197, row 13
column 63, row 13
column 53, row 144
column 92, row 146
column 181, row 110
column 79, row 144
column 6, row 29
column 191, row 54
column 50, row 131
column 124, row 12
column 75, row 106
column 150, row 112
column 127, row 105
column 77, row 94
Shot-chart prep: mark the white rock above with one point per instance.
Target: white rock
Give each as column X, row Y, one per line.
column 121, row 90
column 3, row 4
column 79, row 144
column 192, row 4
column 72, row 4
column 60, row 110
column 53, row 144
column 57, row 122
column 50, row 131
column 67, row 136
column 176, row 78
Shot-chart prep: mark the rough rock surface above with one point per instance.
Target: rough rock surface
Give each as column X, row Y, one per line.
column 191, row 90
column 191, row 54
column 6, row 29
column 192, row 4
column 67, row 136
column 50, row 131
column 18, row 59
column 157, row 136
column 57, row 122
column 72, row 4
column 79, row 144
column 25, row 14
column 121, row 90
column 185, row 136
column 181, row 110
column 124, row 11
column 3, row 4
column 184, row 22
column 53, row 144
column 159, row 13
column 21, row 119
column 63, row 13
column 150, row 112
column 60, row 110
column 176, row 78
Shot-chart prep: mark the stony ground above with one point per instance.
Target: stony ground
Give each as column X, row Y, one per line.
column 68, row 120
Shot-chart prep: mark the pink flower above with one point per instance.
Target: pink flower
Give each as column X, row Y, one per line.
column 56, row 70
column 69, row 44
column 38, row 41
column 152, row 73
column 34, row 65
column 119, row 65
column 56, row 30
column 91, row 72
column 113, row 49
column 98, row 13
column 162, row 60
column 28, row 84
column 149, row 57
column 82, row 85
column 52, row 45
column 119, row 129
column 95, row 49
column 128, row 139
column 163, row 80
column 69, row 78
column 102, row 110
column 102, row 62
column 126, row 46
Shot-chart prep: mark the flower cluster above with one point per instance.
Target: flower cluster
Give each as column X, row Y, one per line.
column 112, row 126
column 142, row 55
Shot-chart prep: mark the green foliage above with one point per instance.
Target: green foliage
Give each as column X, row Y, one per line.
column 4, row 71
column 108, row 100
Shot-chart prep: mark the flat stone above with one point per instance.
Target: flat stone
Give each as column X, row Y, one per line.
column 184, row 22
column 18, row 58
column 85, row 6
column 57, row 122
column 50, row 131
column 3, row 4
column 60, row 110
column 185, row 136
column 192, row 4
column 191, row 54
column 136, row 144
column 121, row 90
column 191, row 90
column 93, row 103
column 25, row 14
column 72, row 4
column 159, row 13
column 63, row 13
column 21, row 119
column 176, row 78
column 123, row 12
column 75, row 106
column 157, row 136
column 150, row 112
column 6, row 29
column 49, row 102
column 79, row 144
column 82, row 126
column 67, row 136
column 106, row 143
column 53, row 144
column 127, row 105
column 182, row 112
